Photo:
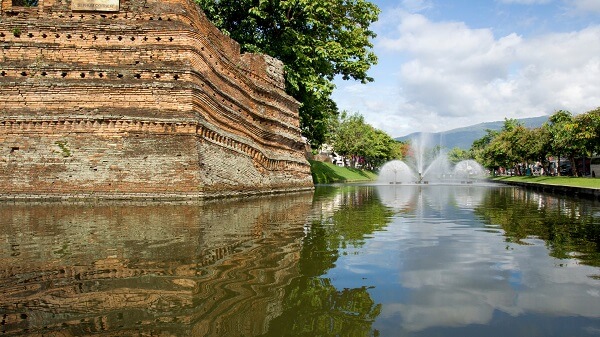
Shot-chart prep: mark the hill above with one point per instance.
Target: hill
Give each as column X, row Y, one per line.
column 464, row 137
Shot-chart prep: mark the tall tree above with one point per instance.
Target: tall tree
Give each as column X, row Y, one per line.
column 587, row 132
column 563, row 129
column 456, row 154
column 356, row 139
column 537, row 145
column 479, row 150
column 316, row 39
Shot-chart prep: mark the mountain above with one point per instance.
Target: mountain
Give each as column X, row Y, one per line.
column 464, row 137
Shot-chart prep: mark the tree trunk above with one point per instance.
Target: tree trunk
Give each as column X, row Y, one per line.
column 573, row 166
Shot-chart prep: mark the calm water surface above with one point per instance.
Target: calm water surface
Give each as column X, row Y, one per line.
column 463, row 260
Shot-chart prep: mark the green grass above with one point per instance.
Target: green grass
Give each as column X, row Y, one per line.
column 563, row 181
column 325, row 173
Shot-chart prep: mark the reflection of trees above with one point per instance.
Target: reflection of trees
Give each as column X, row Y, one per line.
column 313, row 306
column 568, row 227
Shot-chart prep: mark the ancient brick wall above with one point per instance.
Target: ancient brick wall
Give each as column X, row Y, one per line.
column 149, row 100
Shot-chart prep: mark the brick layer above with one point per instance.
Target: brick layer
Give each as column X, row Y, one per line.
column 152, row 100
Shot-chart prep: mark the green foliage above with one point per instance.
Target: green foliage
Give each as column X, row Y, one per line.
column 353, row 137
column 587, row 132
column 565, row 226
column 63, row 147
column 316, row 39
column 457, row 154
column 504, row 148
column 313, row 306
column 479, row 149
column 326, row 173
column 537, row 144
column 563, row 135
column 573, row 136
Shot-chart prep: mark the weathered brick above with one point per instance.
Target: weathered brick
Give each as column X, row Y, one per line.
column 152, row 100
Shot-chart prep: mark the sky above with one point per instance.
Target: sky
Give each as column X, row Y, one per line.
column 445, row 64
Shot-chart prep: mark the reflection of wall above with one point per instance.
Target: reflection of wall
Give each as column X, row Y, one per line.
column 177, row 269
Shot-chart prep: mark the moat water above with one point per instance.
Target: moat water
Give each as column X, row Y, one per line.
column 347, row 260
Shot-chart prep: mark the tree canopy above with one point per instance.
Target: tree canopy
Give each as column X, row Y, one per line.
column 353, row 137
column 563, row 135
column 316, row 39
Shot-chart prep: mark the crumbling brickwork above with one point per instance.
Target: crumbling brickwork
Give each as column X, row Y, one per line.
column 150, row 100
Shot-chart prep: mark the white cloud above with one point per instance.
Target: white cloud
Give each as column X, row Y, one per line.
column 449, row 75
column 585, row 6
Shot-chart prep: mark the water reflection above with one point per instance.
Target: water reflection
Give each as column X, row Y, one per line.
column 569, row 227
column 435, row 260
column 203, row 270
column 343, row 220
column 408, row 198
column 453, row 271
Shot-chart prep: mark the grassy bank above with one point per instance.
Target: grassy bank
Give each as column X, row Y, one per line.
column 561, row 181
column 325, row 173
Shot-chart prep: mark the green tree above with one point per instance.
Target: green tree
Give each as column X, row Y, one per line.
column 479, row 150
column 316, row 39
column 380, row 148
column 587, row 132
column 563, row 127
column 507, row 148
column 594, row 140
column 356, row 139
column 537, row 145
column 457, row 154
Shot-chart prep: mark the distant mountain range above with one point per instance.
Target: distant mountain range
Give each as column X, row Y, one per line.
column 463, row 137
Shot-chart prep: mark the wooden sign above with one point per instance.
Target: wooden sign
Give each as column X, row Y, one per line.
column 95, row 5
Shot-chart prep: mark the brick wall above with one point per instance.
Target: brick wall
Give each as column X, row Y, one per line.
column 152, row 99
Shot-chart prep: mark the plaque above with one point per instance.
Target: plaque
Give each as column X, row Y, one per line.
column 95, row 5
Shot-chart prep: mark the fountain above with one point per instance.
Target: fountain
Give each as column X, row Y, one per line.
column 469, row 170
column 427, row 164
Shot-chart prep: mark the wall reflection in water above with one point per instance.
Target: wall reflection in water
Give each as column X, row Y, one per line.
column 161, row 269
column 348, row 260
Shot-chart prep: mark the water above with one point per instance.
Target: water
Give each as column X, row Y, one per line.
column 348, row 260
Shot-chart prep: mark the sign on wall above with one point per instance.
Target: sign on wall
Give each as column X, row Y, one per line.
column 95, row 5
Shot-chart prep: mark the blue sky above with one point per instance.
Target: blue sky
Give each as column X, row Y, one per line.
column 445, row 64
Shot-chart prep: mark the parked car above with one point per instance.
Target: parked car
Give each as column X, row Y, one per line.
column 566, row 169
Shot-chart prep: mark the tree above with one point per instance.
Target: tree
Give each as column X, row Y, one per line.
column 537, row 145
column 594, row 120
column 316, row 40
column 505, row 148
column 587, row 132
column 457, row 154
column 562, row 127
column 479, row 150
column 356, row 139
column 350, row 136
